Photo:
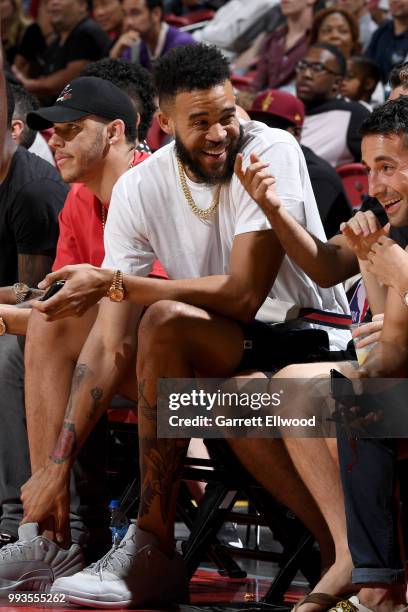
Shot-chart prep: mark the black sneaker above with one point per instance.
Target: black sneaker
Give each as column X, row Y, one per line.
column 6, row 538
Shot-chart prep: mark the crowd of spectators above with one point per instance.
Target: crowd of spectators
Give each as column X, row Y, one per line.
column 127, row 127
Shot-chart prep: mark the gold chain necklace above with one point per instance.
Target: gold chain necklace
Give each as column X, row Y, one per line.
column 203, row 213
column 103, row 209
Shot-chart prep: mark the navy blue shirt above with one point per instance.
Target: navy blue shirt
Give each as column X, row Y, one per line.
column 387, row 49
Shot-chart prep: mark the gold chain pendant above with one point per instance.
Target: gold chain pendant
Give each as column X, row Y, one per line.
column 203, row 213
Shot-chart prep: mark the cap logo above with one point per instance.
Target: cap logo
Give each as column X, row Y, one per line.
column 297, row 117
column 65, row 94
column 267, row 101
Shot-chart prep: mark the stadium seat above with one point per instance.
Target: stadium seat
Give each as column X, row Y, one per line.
column 355, row 182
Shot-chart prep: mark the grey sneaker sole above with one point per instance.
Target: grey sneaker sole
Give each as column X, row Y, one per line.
column 36, row 580
column 112, row 601
column 93, row 603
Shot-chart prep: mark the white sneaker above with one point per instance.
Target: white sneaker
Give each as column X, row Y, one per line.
column 134, row 573
column 33, row 562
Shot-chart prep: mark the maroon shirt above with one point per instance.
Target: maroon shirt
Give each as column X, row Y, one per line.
column 276, row 66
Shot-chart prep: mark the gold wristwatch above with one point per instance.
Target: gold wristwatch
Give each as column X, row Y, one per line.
column 22, row 292
column 3, row 327
column 116, row 292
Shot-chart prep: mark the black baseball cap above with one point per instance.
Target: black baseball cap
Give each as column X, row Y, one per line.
column 85, row 96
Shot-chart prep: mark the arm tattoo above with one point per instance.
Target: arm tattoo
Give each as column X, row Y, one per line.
column 162, row 463
column 66, row 444
column 97, row 395
column 148, row 411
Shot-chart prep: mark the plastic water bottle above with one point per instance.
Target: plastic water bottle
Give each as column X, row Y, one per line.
column 119, row 523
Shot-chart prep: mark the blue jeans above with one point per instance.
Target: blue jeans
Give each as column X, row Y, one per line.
column 369, row 474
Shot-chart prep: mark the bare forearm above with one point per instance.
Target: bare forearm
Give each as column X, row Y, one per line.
column 220, row 294
column 15, row 318
column 237, row 294
column 53, row 83
column 322, row 261
column 376, row 293
column 8, row 296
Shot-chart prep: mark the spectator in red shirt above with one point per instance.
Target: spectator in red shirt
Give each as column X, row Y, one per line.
column 98, row 152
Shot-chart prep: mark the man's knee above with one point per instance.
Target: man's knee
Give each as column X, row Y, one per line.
column 67, row 336
column 162, row 322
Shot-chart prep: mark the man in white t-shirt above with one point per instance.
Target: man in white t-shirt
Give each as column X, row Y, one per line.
column 187, row 208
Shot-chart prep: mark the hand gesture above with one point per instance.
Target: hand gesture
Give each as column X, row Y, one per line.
column 258, row 183
column 389, row 263
column 361, row 231
column 126, row 40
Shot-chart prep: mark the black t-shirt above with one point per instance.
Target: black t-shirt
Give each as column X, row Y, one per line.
column 373, row 204
column 31, row 198
column 398, row 234
column 332, row 202
column 32, row 48
column 87, row 41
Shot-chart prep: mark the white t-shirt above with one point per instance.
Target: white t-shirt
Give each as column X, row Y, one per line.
column 41, row 148
column 150, row 218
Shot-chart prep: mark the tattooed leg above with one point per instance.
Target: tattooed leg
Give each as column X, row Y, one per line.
column 51, row 352
column 175, row 341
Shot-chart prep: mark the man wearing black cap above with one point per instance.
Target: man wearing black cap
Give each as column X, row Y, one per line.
column 97, row 151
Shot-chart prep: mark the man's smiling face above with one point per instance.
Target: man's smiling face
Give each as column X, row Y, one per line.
column 386, row 159
column 207, row 132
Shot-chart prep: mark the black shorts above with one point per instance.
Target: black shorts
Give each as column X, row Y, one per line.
column 270, row 347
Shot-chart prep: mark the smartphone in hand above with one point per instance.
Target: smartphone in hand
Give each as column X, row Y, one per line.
column 52, row 290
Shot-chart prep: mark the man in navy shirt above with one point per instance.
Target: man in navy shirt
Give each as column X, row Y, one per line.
column 389, row 44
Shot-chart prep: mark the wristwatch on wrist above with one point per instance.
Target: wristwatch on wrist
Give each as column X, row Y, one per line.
column 116, row 292
column 3, row 327
column 22, row 292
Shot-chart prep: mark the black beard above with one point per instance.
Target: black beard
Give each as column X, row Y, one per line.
column 195, row 168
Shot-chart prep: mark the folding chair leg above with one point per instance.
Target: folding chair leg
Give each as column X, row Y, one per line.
column 215, row 506
column 287, row 572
